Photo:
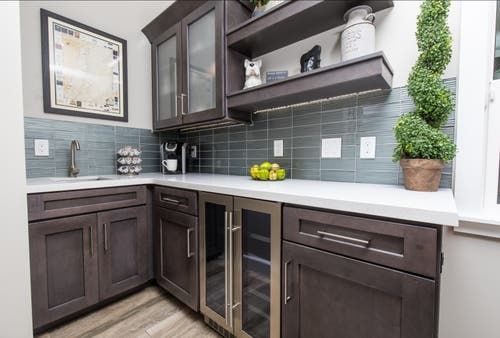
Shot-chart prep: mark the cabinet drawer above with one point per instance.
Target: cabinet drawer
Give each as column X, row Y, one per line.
column 177, row 199
column 401, row 246
column 66, row 203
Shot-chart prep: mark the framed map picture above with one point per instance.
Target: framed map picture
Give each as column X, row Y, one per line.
column 84, row 70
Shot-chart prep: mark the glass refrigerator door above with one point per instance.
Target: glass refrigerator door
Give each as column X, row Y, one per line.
column 215, row 259
column 257, row 268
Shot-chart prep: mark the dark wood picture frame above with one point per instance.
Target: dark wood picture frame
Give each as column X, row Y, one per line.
column 47, row 104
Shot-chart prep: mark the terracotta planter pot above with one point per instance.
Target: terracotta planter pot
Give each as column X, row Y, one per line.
column 422, row 175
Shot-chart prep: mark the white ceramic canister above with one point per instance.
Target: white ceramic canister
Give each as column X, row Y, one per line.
column 358, row 37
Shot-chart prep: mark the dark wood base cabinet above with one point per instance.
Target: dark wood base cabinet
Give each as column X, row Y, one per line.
column 123, row 250
column 327, row 295
column 64, row 267
column 176, row 253
column 79, row 261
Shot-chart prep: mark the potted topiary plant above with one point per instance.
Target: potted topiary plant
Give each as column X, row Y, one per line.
column 422, row 148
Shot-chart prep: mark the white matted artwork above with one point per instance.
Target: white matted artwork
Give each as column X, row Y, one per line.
column 84, row 70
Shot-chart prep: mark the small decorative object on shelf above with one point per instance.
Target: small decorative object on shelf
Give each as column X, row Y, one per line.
column 261, row 6
column 310, row 60
column 276, row 75
column 129, row 161
column 422, row 148
column 252, row 73
column 267, row 172
column 358, row 36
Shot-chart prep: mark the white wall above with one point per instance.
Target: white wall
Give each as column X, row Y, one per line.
column 15, row 312
column 470, row 289
column 395, row 36
column 124, row 19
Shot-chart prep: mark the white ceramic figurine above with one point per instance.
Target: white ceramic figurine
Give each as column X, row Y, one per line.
column 252, row 73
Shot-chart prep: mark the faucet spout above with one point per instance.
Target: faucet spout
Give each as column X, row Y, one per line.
column 73, row 169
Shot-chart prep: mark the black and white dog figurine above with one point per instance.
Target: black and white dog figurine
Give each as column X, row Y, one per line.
column 252, row 73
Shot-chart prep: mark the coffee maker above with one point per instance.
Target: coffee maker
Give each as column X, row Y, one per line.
column 174, row 157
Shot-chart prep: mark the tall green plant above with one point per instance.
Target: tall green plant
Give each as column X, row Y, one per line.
column 418, row 133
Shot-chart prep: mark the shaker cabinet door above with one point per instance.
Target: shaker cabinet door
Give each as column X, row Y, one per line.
column 63, row 260
column 326, row 295
column 176, row 252
column 123, row 250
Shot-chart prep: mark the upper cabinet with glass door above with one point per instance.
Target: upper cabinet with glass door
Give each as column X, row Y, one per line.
column 187, row 43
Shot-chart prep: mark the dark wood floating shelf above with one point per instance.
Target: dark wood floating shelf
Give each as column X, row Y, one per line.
column 366, row 73
column 290, row 22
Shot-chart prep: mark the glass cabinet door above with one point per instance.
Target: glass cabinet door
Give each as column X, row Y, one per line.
column 257, row 268
column 214, row 257
column 167, row 76
column 202, row 69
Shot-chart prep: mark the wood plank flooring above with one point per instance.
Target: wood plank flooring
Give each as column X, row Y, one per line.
column 148, row 313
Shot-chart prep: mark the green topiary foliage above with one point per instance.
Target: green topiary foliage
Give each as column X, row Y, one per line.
column 419, row 140
column 433, row 101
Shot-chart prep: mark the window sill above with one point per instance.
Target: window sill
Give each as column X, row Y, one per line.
column 484, row 223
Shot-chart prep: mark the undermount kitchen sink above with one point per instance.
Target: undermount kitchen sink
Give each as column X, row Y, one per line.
column 80, row 179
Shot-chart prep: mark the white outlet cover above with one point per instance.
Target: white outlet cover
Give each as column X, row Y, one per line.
column 367, row 147
column 41, row 147
column 278, row 148
column 331, row 147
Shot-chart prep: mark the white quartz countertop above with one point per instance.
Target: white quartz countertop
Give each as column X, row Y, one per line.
column 371, row 199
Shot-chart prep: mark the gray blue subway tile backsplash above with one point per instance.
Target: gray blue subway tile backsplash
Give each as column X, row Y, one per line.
column 232, row 150
column 98, row 144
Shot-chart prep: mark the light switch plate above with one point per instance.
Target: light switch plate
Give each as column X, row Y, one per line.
column 367, row 147
column 41, row 147
column 278, row 148
column 331, row 147
column 194, row 151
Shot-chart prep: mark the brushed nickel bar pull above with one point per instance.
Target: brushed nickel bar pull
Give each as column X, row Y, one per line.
column 347, row 238
column 226, row 266
column 91, row 234
column 170, row 200
column 105, row 237
column 231, row 268
column 287, row 297
column 188, row 233
column 182, row 104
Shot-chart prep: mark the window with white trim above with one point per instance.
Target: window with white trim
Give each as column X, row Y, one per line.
column 492, row 188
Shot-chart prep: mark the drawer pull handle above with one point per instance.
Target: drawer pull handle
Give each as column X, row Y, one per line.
column 347, row 238
column 188, row 235
column 170, row 200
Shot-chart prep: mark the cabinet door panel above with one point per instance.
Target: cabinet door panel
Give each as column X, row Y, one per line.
column 177, row 255
column 167, row 78
column 364, row 300
column 202, row 32
column 123, row 250
column 63, row 267
column 257, row 238
column 214, row 258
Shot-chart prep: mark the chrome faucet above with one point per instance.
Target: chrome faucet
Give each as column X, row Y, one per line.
column 73, row 169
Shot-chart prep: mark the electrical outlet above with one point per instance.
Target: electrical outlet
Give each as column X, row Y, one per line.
column 331, row 147
column 367, row 147
column 278, row 148
column 41, row 147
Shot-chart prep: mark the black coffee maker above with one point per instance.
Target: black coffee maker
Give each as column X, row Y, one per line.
column 174, row 157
